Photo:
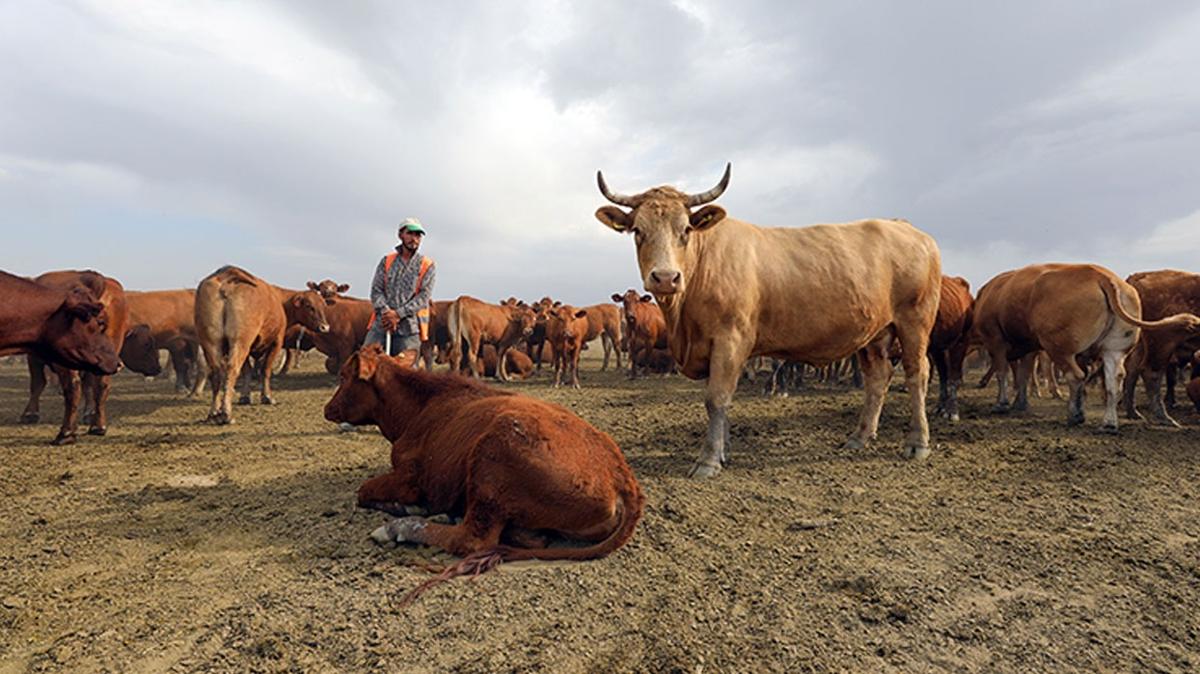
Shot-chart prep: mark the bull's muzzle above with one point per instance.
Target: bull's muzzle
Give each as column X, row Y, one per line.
column 663, row 281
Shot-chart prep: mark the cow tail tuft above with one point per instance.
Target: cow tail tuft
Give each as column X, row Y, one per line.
column 474, row 564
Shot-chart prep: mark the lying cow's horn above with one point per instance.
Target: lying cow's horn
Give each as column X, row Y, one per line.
column 711, row 195
column 619, row 199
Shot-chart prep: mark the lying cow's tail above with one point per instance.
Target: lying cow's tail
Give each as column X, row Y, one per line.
column 1114, row 301
column 630, row 508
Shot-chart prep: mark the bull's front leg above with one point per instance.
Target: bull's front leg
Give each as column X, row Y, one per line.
column 723, row 371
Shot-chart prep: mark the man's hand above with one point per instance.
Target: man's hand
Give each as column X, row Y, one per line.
column 390, row 320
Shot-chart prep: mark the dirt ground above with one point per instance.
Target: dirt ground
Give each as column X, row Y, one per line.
column 1022, row 545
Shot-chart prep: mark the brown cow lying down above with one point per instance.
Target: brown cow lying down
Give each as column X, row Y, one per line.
column 518, row 365
column 515, row 468
column 1076, row 313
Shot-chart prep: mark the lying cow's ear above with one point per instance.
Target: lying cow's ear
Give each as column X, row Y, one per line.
column 706, row 217
column 367, row 362
column 313, row 286
column 343, row 287
column 615, row 218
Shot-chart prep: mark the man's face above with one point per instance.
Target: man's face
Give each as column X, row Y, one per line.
column 410, row 240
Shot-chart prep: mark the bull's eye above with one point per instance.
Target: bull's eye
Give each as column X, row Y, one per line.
column 638, row 236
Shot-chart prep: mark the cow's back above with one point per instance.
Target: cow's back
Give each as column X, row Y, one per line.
column 168, row 313
column 1166, row 292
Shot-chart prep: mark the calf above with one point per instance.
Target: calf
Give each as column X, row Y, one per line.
column 239, row 316
column 62, row 327
column 518, row 363
column 516, row 469
column 567, row 328
column 1076, row 313
column 645, row 327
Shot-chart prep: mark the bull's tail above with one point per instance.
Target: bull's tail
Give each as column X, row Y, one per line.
column 1113, row 296
column 476, row 563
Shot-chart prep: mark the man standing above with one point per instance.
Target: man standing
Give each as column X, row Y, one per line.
column 400, row 292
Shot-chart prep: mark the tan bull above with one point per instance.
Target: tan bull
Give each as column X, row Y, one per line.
column 730, row 290
column 1076, row 313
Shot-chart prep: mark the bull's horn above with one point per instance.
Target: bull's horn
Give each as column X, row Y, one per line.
column 618, row 199
column 711, row 195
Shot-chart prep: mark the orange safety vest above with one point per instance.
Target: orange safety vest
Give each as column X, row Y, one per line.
column 422, row 313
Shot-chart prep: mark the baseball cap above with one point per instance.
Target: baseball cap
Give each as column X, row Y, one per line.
column 411, row 225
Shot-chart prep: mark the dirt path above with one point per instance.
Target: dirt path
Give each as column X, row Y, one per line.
column 1022, row 545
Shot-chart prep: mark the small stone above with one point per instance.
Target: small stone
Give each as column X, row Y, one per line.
column 14, row 602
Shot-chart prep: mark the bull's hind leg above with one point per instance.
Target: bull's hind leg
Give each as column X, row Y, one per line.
column 877, row 372
column 1077, row 381
column 914, row 340
column 474, row 534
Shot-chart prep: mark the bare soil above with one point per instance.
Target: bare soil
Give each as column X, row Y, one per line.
column 1022, row 545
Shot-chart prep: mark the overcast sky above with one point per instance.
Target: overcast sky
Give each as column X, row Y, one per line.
column 157, row 141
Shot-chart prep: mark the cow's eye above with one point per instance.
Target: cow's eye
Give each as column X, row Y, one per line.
column 638, row 236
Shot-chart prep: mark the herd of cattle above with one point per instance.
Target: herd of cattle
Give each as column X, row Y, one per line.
column 724, row 292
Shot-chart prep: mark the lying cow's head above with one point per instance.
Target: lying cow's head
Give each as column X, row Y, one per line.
column 662, row 221
column 139, row 352
column 75, row 335
column 329, row 289
column 309, row 308
column 356, row 400
column 628, row 301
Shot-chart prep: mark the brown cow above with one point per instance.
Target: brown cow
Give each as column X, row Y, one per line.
column 535, row 344
column 94, row 388
column 730, row 290
column 171, row 316
column 1163, row 293
column 349, row 319
column 518, row 363
column 439, row 334
column 1076, row 313
column 567, row 328
column 514, row 468
column 239, row 316
column 62, row 327
column 948, row 341
column 605, row 321
column 473, row 323
column 645, row 328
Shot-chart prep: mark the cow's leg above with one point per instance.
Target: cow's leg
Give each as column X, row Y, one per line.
column 268, row 364
column 1000, row 371
column 181, row 364
column 1114, row 375
column 1047, row 368
column 877, row 372
column 202, row 365
column 575, row 366
column 1023, row 372
column 233, row 366
column 1172, row 375
column 473, row 343
column 1077, row 381
column 955, row 355
column 216, row 375
column 474, row 534
column 502, row 364
column 395, row 492
column 616, row 345
column 37, row 384
column 245, row 380
column 723, row 369
column 69, row 379
column 1152, row 379
column 914, row 340
column 938, row 356
column 98, row 388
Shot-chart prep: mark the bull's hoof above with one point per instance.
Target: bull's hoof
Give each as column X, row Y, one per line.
column 399, row 530
column 382, row 537
column 954, row 416
column 702, row 470
column 219, row 419
column 268, row 400
column 346, row 427
column 1075, row 418
column 1000, row 408
column 88, row 418
column 244, row 400
column 63, row 439
column 98, row 430
column 30, row 418
column 1108, row 428
column 1133, row 414
column 854, row 443
column 916, row 453
column 1020, row 406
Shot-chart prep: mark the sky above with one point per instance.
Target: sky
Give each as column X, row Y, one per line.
column 155, row 142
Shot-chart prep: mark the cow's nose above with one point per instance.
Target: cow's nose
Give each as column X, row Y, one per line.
column 665, row 277
column 324, row 327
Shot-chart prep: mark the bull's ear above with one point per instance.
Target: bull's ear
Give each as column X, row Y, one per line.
column 646, row 298
column 343, row 287
column 706, row 217
column 368, row 360
column 618, row 299
column 615, row 218
column 313, row 286
column 581, row 313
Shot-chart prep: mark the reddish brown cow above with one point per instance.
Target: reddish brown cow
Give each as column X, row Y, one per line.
column 473, row 323
column 604, row 321
column 349, row 319
column 64, row 328
column 239, row 316
column 645, row 327
column 94, row 388
column 567, row 328
column 171, row 317
column 535, row 344
column 948, row 341
column 518, row 363
column 439, row 334
column 517, row 470
column 1163, row 293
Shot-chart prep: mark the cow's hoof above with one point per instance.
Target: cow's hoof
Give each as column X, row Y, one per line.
column 954, row 416
column 220, row 419
column 916, row 453
column 1020, row 406
column 1075, row 419
column 854, row 444
column 244, row 400
column 399, row 530
column 704, row 470
column 89, row 418
column 63, row 439
column 268, row 400
column 1110, row 429
column 382, row 537
column 1000, row 408
column 30, row 418
column 98, row 430
column 347, row 427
